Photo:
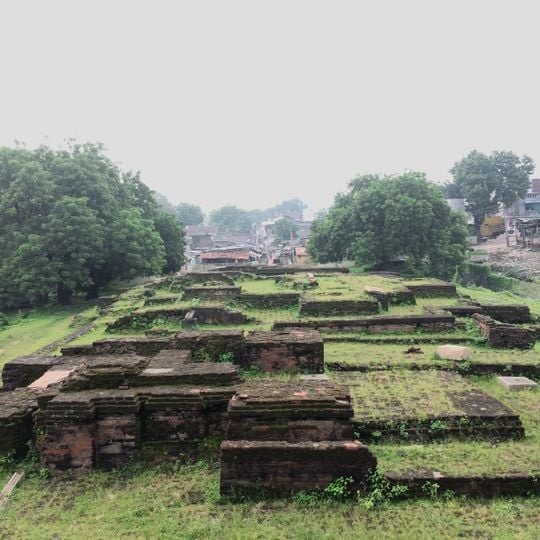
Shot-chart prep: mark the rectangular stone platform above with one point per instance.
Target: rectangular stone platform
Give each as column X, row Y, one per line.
column 296, row 411
column 281, row 468
column 426, row 405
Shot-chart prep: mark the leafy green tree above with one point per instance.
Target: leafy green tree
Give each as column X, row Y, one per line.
column 172, row 233
column 71, row 222
column 189, row 214
column 285, row 229
column 487, row 182
column 382, row 219
column 73, row 239
column 230, row 219
column 136, row 248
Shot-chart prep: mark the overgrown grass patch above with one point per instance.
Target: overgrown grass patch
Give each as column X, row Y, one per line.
column 396, row 356
column 474, row 457
column 182, row 502
column 28, row 332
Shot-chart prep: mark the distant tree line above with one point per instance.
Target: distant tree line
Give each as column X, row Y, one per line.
column 71, row 222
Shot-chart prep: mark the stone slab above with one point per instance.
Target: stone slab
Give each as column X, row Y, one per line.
column 453, row 352
column 515, row 384
column 50, row 378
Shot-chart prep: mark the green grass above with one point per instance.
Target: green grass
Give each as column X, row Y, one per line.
column 401, row 395
column 29, row 332
column 394, row 355
column 182, row 502
column 475, row 457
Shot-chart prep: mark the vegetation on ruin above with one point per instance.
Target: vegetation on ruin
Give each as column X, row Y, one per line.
column 476, row 457
column 185, row 503
column 384, row 219
column 72, row 222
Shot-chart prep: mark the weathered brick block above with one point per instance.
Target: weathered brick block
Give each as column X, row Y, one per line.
column 299, row 351
column 281, row 468
column 24, row 370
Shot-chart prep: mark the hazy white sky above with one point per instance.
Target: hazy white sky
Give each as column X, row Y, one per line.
column 252, row 102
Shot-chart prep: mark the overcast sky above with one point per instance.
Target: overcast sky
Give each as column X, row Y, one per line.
column 252, row 102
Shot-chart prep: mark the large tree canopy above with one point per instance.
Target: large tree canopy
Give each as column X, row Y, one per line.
column 70, row 221
column 382, row 219
column 487, row 182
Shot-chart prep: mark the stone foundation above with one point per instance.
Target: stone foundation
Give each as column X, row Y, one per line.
column 292, row 412
column 432, row 290
column 23, row 370
column 325, row 308
column 16, row 424
column 407, row 323
column 282, row 468
column 297, row 351
column 211, row 293
column 505, row 336
column 508, row 313
column 274, row 300
column 206, row 315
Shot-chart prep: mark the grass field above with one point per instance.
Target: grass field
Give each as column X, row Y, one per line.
column 29, row 332
column 182, row 502
column 396, row 355
column 475, row 457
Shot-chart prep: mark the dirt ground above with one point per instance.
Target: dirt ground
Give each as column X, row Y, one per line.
column 520, row 262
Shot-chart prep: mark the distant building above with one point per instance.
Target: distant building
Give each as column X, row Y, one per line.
column 231, row 255
column 200, row 236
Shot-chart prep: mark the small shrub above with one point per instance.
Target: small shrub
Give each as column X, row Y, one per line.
column 3, row 320
column 380, row 491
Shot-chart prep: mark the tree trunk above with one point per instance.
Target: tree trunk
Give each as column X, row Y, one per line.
column 63, row 294
column 478, row 220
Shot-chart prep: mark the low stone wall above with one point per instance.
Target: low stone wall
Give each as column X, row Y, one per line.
column 201, row 278
column 211, row 293
column 402, row 296
column 513, row 484
column 468, row 368
column 23, row 370
column 322, row 308
column 204, row 315
column 211, row 344
column 290, row 411
column 432, row 290
column 273, row 300
column 505, row 336
column 462, row 311
column 407, row 323
column 508, row 313
column 281, row 468
column 104, row 428
column 16, row 424
column 161, row 300
column 297, row 351
column 144, row 346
